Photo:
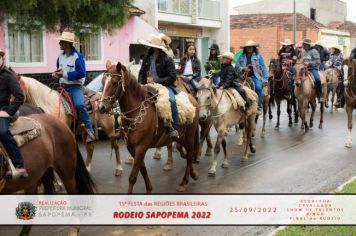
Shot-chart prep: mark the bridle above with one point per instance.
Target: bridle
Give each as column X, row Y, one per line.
column 121, row 83
column 210, row 89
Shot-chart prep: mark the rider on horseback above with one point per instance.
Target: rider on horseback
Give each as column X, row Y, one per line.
column 311, row 59
column 229, row 76
column 287, row 57
column 214, row 63
column 10, row 86
column 189, row 67
column 335, row 61
column 71, row 74
column 158, row 67
column 324, row 54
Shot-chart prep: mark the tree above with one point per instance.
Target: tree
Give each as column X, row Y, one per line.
column 57, row 15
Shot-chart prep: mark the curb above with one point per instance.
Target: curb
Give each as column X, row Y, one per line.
column 336, row 190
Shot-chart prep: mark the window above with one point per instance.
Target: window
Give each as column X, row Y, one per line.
column 182, row 7
column 209, row 9
column 312, row 13
column 90, row 46
column 162, row 5
column 178, row 46
column 24, row 47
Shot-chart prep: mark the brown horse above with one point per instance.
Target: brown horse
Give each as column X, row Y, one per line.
column 281, row 90
column 305, row 93
column 54, row 150
column 144, row 129
column 332, row 78
column 350, row 95
column 42, row 96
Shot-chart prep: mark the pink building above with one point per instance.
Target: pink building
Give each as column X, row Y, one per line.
column 35, row 53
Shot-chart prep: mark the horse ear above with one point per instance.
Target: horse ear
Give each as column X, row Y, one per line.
column 108, row 64
column 118, row 67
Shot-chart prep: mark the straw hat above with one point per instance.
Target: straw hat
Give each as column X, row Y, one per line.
column 307, row 41
column 154, row 41
column 165, row 38
column 250, row 43
column 336, row 47
column 287, row 42
column 2, row 53
column 67, row 36
column 228, row 55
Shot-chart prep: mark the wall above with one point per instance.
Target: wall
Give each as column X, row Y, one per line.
column 330, row 38
column 268, row 38
column 326, row 10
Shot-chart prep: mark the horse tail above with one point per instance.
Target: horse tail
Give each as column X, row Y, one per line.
column 48, row 181
column 84, row 182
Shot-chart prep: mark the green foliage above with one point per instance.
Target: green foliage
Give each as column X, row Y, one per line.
column 57, row 15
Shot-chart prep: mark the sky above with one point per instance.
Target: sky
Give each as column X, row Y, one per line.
column 351, row 6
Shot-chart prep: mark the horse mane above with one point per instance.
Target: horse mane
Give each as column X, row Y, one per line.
column 132, row 83
column 40, row 95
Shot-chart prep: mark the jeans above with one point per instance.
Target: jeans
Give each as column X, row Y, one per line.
column 258, row 89
column 195, row 84
column 76, row 92
column 242, row 92
column 292, row 71
column 216, row 80
column 174, row 109
column 322, row 66
column 10, row 144
column 315, row 73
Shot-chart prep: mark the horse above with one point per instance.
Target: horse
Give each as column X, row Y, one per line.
column 49, row 100
column 350, row 97
column 216, row 104
column 305, row 93
column 143, row 128
column 281, row 90
column 333, row 81
column 55, row 149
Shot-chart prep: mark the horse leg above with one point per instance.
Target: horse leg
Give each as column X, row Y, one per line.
column 333, row 99
column 349, row 111
column 90, row 150
column 321, row 115
column 303, row 106
column 189, row 171
column 289, row 111
column 265, row 106
column 138, row 162
column 270, row 111
column 241, row 136
column 248, row 130
column 219, row 139
column 294, row 103
column 157, row 154
column 169, row 163
column 313, row 107
column 144, row 174
column 278, row 112
column 329, row 87
column 115, row 146
column 209, row 148
column 225, row 163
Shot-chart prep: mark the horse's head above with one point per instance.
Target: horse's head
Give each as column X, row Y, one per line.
column 273, row 65
column 300, row 72
column 205, row 93
column 113, row 85
column 349, row 66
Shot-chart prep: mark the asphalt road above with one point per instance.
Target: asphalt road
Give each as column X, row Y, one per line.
column 285, row 162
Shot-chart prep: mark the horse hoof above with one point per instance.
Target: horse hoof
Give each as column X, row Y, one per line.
column 276, row 128
column 240, row 142
column 157, row 156
column 196, row 161
column 129, row 160
column 118, row 172
column 244, row 159
column 194, row 175
column 225, row 165
column 262, row 135
column 320, row 126
column 348, row 145
column 253, row 148
column 290, row 124
column 296, row 121
column 211, row 173
column 209, row 153
column 270, row 117
column 168, row 167
column 181, row 189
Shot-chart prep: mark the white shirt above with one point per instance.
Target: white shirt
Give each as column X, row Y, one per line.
column 188, row 70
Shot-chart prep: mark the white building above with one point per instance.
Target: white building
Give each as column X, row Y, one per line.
column 323, row 11
column 202, row 22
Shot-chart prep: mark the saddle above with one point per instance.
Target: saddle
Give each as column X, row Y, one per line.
column 24, row 130
column 186, row 110
column 236, row 99
column 91, row 100
column 67, row 102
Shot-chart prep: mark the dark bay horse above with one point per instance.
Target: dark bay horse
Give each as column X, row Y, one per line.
column 280, row 90
column 350, row 95
column 54, row 150
column 144, row 129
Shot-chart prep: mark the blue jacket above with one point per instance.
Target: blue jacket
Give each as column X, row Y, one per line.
column 259, row 66
column 73, row 67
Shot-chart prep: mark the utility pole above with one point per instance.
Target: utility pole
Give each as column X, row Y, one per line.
column 294, row 24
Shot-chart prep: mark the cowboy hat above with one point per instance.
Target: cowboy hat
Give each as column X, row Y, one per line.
column 250, row 43
column 2, row 53
column 165, row 38
column 307, row 41
column 336, row 47
column 287, row 42
column 67, row 36
column 228, row 55
column 154, row 41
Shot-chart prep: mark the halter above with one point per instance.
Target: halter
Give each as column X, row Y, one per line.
column 111, row 99
column 210, row 104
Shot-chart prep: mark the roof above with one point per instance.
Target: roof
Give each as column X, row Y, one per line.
column 135, row 11
column 284, row 20
column 345, row 26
